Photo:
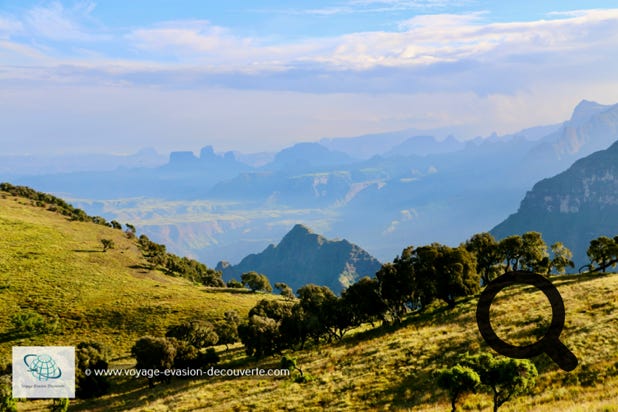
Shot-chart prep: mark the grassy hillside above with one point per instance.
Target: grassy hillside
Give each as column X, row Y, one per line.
column 56, row 268
column 391, row 369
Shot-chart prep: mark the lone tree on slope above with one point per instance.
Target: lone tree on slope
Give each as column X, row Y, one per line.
column 256, row 282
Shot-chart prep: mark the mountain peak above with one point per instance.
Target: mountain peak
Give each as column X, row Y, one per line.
column 304, row 257
column 307, row 155
column 585, row 110
column 299, row 228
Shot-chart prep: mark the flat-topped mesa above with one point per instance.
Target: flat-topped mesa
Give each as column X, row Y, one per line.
column 184, row 157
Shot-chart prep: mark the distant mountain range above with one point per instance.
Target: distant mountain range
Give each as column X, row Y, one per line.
column 573, row 207
column 383, row 191
column 69, row 163
column 304, row 257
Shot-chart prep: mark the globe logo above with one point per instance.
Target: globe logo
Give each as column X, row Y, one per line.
column 43, row 367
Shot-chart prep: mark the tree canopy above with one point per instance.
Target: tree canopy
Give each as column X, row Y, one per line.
column 256, row 282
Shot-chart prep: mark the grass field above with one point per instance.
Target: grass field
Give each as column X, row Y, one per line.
column 57, row 268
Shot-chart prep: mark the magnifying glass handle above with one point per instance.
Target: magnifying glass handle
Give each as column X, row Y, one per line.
column 562, row 356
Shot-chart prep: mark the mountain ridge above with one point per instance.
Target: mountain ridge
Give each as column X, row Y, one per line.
column 303, row 256
column 574, row 206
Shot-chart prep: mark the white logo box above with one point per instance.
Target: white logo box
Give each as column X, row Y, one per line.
column 44, row 372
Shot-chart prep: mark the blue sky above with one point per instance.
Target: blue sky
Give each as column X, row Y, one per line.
column 116, row 76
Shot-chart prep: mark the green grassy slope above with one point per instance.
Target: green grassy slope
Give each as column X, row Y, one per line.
column 57, row 268
column 391, row 369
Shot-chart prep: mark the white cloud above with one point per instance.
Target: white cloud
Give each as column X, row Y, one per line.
column 375, row 6
column 19, row 54
column 186, row 83
column 9, row 26
column 56, row 22
column 424, row 40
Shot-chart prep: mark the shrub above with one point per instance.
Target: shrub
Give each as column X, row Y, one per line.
column 198, row 334
column 256, row 282
column 32, row 323
column 7, row 402
column 154, row 354
column 107, row 244
column 233, row 283
column 60, row 405
column 90, row 356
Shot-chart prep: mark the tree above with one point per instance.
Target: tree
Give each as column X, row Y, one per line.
column 534, row 257
column 525, row 252
column 455, row 274
column 153, row 354
column 107, row 244
column 200, row 334
column 261, row 333
column 505, row 377
column 396, row 285
column 284, row 290
column 488, row 258
column 323, row 317
column 114, row 224
column 363, row 299
column 339, row 318
column 511, row 251
column 457, row 381
column 603, row 251
column 273, row 309
column 90, row 355
column 445, row 273
column 562, row 257
column 130, row 232
column 227, row 329
column 260, row 336
column 295, row 328
column 256, row 282
column 154, row 253
column 186, row 355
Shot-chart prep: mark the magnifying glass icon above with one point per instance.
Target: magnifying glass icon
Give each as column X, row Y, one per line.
column 549, row 344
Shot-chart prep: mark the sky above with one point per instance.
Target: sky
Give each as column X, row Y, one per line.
column 116, row 76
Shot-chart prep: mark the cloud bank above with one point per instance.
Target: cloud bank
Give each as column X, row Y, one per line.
column 266, row 90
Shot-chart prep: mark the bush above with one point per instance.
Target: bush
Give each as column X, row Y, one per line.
column 107, row 244
column 154, row 354
column 7, row 402
column 33, row 323
column 90, row 356
column 186, row 355
column 60, row 405
column 233, row 283
column 198, row 334
column 227, row 329
column 210, row 357
column 256, row 282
